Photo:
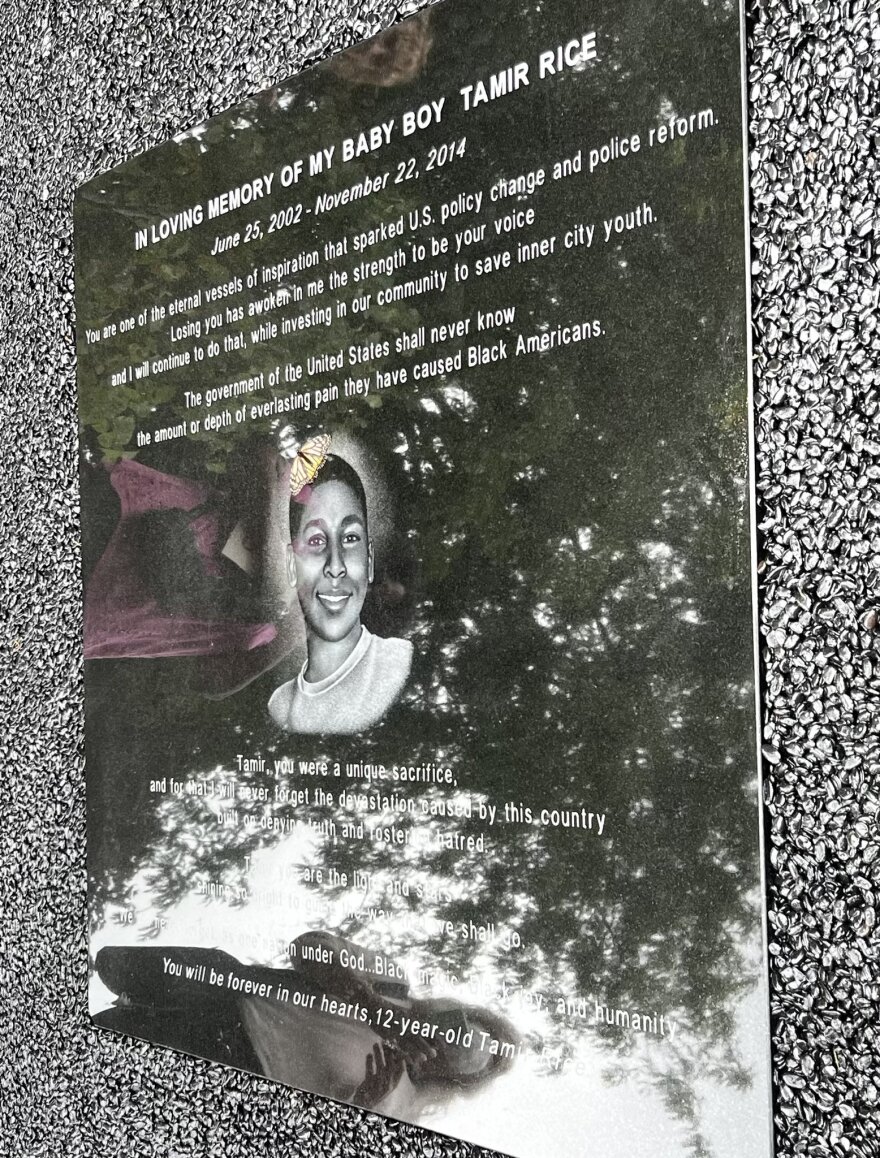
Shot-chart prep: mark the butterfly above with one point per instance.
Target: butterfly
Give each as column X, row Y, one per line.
column 309, row 460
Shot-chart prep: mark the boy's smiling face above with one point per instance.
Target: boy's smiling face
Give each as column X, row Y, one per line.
column 333, row 558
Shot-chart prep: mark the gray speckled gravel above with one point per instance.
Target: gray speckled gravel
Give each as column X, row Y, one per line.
column 87, row 85
column 814, row 85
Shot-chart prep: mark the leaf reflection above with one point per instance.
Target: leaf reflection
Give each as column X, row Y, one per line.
column 582, row 613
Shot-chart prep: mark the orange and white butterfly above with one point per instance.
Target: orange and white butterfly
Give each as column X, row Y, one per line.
column 309, row 460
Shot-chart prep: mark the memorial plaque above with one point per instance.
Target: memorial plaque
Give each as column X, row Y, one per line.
column 417, row 559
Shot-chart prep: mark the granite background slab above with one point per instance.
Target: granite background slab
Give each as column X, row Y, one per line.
column 85, row 86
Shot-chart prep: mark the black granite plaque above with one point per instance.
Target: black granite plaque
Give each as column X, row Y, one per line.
column 420, row 669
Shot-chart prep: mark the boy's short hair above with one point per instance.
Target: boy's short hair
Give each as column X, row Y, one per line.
column 333, row 469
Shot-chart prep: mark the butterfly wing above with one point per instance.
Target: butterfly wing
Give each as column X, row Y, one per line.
column 309, row 460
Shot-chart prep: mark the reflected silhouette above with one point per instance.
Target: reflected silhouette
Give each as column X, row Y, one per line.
column 332, row 1024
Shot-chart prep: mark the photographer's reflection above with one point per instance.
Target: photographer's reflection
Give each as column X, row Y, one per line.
column 346, row 1031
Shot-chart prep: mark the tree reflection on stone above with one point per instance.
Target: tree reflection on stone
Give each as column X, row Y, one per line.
column 582, row 603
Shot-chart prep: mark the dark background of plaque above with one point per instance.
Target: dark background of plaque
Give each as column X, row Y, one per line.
column 580, row 599
column 86, row 89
